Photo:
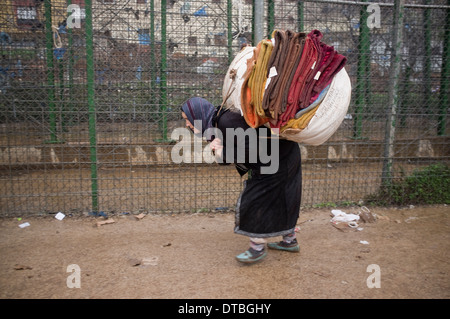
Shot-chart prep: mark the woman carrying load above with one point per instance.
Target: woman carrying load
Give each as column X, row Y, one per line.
column 269, row 204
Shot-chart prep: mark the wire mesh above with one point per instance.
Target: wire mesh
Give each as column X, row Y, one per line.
column 86, row 117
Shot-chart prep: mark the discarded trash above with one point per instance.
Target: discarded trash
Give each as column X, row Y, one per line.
column 343, row 221
column 23, row 225
column 366, row 216
column 60, row 216
column 409, row 219
column 21, row 267
column 134, row 262
column 340, row 216
column 364, row 242
column 167, row 245
column 352, row 224
column 150, row 261
column 97, row 214
column 104, row 222
column 140, row 216
column 382, row 217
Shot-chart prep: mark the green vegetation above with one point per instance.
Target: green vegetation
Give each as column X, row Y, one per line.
column 430, row 185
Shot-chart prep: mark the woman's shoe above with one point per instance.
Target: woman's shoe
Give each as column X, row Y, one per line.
column 282, row 245
column 251, row 256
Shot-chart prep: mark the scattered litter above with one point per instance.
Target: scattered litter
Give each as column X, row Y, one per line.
column 134, row 262
column 140, row 216
column 305, row 221
column 366, row 216
column 19, row 219
column 104, row 222
column 384, row 218
column 409, row 219
column 167, row 245
column 150, row 261
column 343, row 221
column 340, row 216
column 23, row 225
column 364, row 242
column 98, row 214
column 352, row 224
column 60, row 216
column 21, row 267
column 321, row 274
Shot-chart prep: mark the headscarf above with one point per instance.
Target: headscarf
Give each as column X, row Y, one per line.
column 199, row 109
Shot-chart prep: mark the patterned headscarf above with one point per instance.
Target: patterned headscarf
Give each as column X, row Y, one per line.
column 197, row 108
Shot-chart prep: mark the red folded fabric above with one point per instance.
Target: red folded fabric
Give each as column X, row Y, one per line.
column 292, row 63
column 305, row 67
column 305, row 94
column 337, row 63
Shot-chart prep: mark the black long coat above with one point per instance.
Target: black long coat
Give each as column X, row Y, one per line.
column 269, row 204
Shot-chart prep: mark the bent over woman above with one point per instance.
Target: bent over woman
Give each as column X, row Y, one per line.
column 269, row 204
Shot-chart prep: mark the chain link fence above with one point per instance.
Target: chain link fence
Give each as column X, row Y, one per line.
column 90, row 91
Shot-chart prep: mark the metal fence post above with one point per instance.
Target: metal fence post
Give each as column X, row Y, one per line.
column 152, row 80
column 393, row 92
column 50, row 70
column 258, row 31
column 270, row 17
column 427, row 59
column 229, row 31
column 362, row 71
column 445, row 77
column 70, row 68
column 163, row 70
column 91, row 103
column 300, row 20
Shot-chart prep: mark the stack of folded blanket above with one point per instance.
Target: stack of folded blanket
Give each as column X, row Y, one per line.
column 287, row 78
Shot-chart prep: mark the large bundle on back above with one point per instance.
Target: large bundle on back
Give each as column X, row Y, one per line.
column 293, row 83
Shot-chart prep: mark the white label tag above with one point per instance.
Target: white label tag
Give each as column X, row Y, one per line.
column 314, row 65
column 272, row 72
column 267, row 84
column 317, row 76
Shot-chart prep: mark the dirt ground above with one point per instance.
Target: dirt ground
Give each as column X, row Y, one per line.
column 192, row 256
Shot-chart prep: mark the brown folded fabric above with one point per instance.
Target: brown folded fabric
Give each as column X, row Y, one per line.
column 279, row 90
column 277, row 60
column 302, row 72
column 292, row 60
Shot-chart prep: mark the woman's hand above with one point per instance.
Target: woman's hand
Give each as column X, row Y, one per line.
column 216, row 146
